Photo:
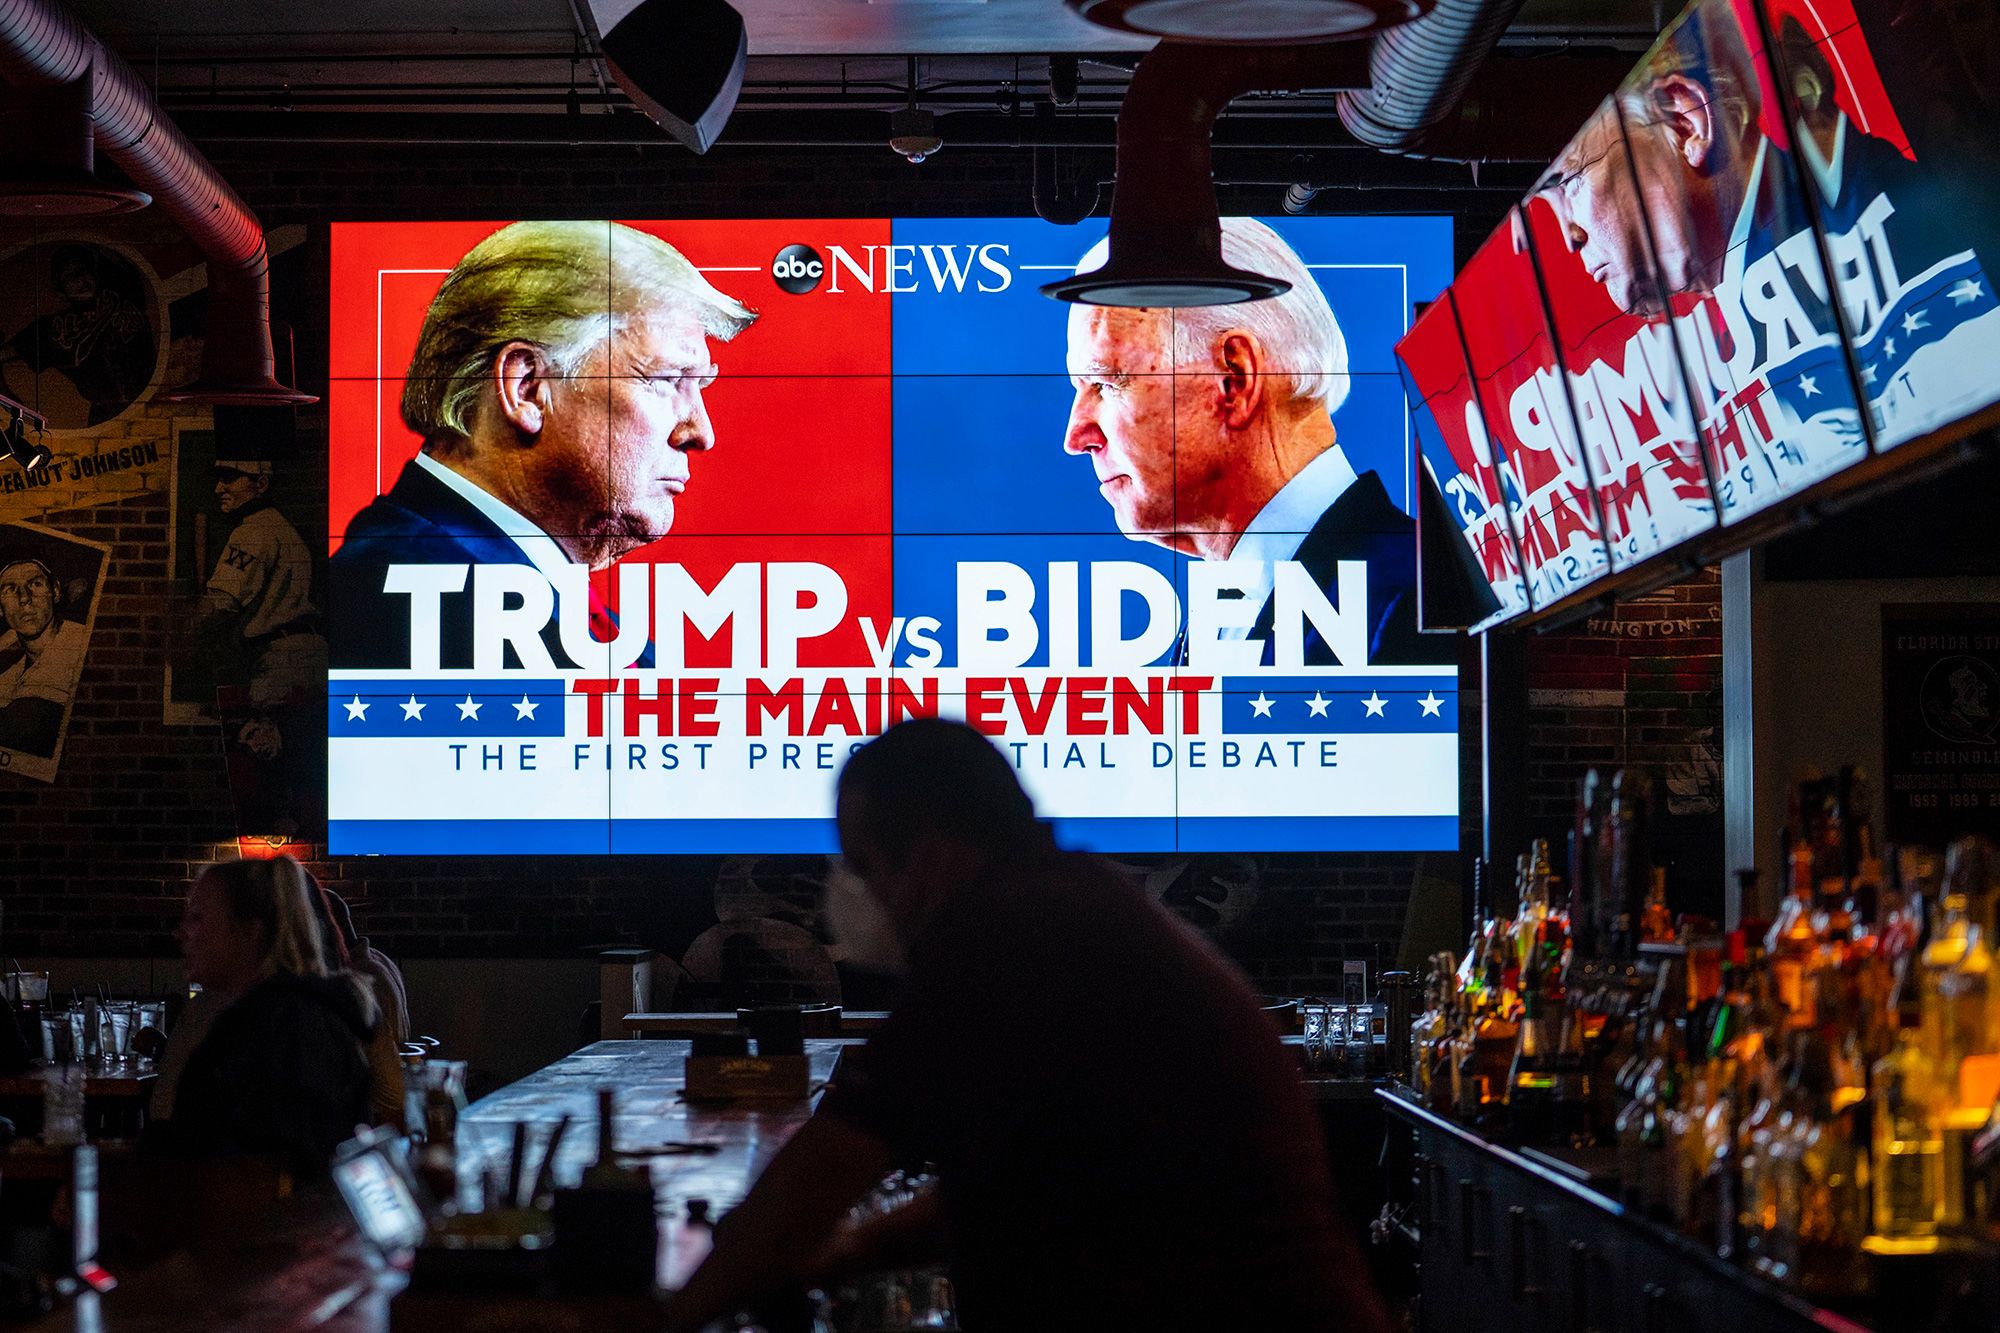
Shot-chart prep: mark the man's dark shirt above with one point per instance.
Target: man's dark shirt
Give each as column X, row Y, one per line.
column 1121, row 1140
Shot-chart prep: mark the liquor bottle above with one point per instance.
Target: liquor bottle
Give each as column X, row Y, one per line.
column 1531, row 1081
column 1630, row 793
column 1442, row 1077
column 1908, row 1160
column 1782, row 1152
column 1833, row 1202
column 1957, row 984
column 1657, row 1168
column 1756, row 1137
column 1467, row 1098
column 1583, row 885
column 1906, row 923
column 1656, row 922
column 1715, row 1200
column 1628, row 1129
column 1429, row 1023
column 1687, row 1157
column 1792, row 940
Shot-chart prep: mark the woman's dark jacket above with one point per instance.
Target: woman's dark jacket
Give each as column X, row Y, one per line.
column 282, row 1073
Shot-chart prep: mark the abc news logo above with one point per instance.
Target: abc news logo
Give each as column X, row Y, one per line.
column 895, row 269
column 798, row 269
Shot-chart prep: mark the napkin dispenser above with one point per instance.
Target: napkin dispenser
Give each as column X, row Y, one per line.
column 721, row 1066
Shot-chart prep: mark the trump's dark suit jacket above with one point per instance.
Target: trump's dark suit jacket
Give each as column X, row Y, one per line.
column 421, row 521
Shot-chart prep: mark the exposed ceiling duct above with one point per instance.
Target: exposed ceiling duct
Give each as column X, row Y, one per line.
column 1432, row 93
column 1418, row 73
column 1166, row 233
column 45, row 47
column 48, row 166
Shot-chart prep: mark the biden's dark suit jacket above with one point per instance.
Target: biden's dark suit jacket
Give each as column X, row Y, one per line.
column 1364, row 524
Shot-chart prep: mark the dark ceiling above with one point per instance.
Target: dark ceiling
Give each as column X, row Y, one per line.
column 821, row 71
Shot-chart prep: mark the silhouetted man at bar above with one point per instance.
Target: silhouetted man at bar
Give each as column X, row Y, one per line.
column 1121, row 1141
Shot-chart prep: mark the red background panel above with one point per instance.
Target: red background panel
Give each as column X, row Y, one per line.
column 866, row 564
column 801, row 446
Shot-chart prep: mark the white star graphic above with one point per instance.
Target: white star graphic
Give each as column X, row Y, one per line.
column 356, row 710
column 1888, row 347
column 1867, row 374
column 1431, row 703
column 469, row 709
column 525, row 708
column 1260, row 706
column 1967, row 290
column 1373, row 703
column 1916, row 319
column 1317, row 704
column 1808, row 386
column 412, row 711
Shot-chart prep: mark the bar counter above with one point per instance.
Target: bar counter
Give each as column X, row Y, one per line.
column 1533, row 1239
column 304, row 1266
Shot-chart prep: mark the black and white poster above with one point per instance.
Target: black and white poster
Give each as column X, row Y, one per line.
column 49, row 585
column 1941, row 721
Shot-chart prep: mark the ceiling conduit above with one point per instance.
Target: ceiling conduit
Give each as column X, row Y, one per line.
column 44, row 46
column 1166, row 233
column 1427, row 95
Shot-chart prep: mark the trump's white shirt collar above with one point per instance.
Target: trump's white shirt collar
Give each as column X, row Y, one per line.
column 538, row 546
column 1281, row 526
column 1826, row 170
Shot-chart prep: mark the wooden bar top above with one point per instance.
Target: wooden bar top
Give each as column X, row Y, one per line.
column 306, row 1268
column 652, row 1116
column 852, row 1021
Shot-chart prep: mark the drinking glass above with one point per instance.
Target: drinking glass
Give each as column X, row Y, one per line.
column 1313, row 1015
column 433, row 1095
column 62, row 1037
column 1360, row 1039
column 117, row 1021
column 28, row 992
column 1334, row 1046
column 62, row 1105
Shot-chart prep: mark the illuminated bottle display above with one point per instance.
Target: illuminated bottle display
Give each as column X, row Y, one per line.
column 1794, row 1098
column 1909, row 1143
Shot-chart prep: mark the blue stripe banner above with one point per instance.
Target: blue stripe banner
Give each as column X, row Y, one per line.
column 523, row 837
column 1304, row 705
column 375, row 709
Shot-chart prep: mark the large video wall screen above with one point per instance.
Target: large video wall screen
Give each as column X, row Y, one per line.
column 1767, row 255
column 639, row 528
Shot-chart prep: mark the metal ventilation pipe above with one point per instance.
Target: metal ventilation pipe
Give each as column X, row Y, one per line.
column 1419, row 72
column 43, row 45
column 1166, row 232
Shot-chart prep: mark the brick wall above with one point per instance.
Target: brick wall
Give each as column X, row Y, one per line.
column 99, row 859
column 1640, row 685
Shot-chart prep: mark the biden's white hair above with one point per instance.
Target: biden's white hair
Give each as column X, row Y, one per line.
column 1301, row 339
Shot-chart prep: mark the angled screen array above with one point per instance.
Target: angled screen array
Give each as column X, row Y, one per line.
column 1765, row 256
column 701, row 506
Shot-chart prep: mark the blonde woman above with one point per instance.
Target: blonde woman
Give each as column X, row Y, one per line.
column 283, row 1071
